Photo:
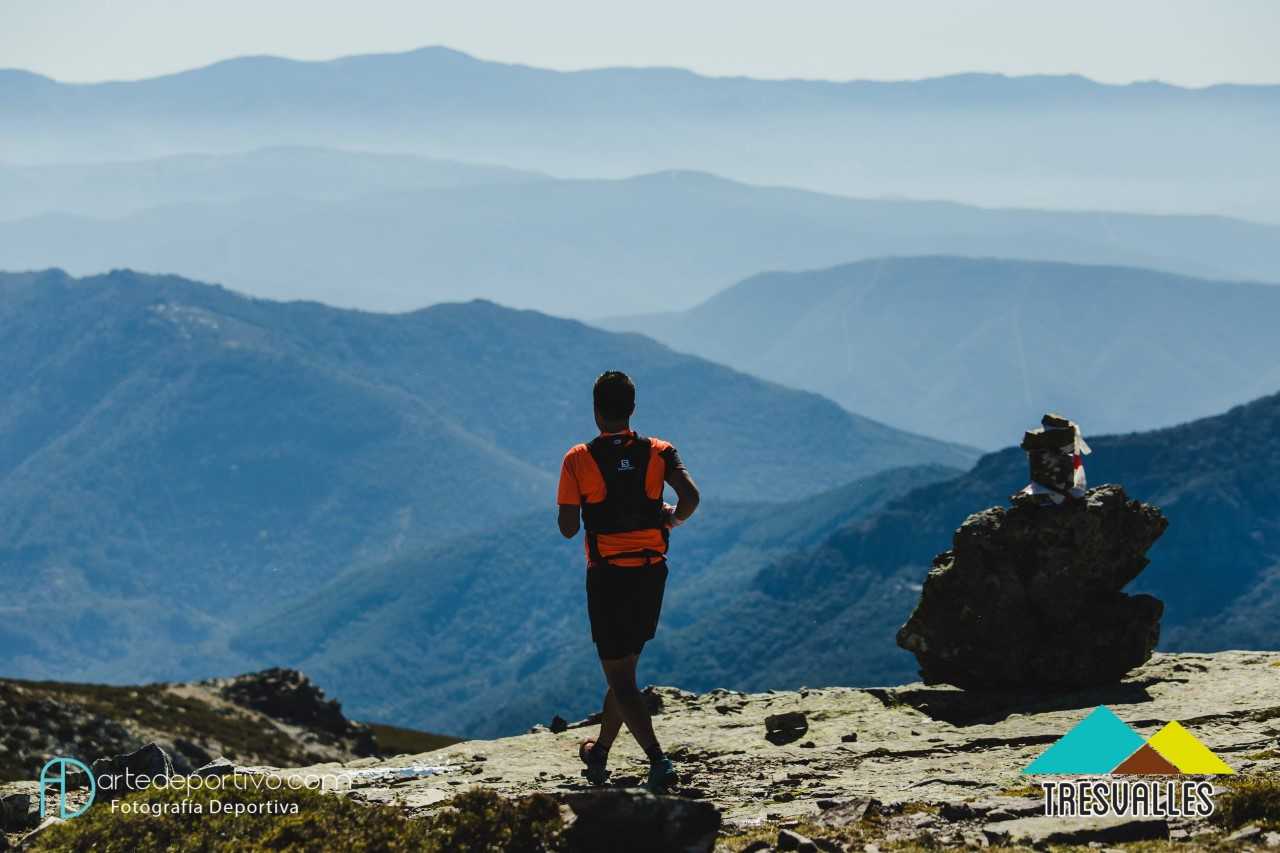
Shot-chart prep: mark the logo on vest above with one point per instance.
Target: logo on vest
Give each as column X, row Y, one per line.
column 625, row 465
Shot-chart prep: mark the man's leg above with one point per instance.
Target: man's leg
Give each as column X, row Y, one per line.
column 595, row 752
column 610, row 722
column 621, row 675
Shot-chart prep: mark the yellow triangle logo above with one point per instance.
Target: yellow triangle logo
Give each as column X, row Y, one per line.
column 1181, row 749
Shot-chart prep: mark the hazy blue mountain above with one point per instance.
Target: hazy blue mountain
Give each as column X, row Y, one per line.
column 1035, row 141
column 488, row 634
column 119, row 188
column 779, row 597
column 174, row 456
column 973, row 349
column 828, row 615
column 597, row 248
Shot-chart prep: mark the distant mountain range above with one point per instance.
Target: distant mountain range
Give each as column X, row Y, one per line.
column 973, row 349
column 175, row 457
column 587, row 249
column 988, row 139
column 486, row 637
column 827, row 615
column 116, row 189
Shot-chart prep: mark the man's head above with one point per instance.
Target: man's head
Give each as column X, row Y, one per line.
column 615, row 400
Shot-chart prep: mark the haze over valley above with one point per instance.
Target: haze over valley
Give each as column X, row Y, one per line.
column 1028, row 141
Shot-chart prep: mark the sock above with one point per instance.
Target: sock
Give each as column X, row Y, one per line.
column 655, row 754
column 598, row 754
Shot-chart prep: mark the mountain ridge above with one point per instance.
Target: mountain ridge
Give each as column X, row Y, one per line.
column 780, row 607
column 403, row 250
column 1080, row 144
column 119, row 188
column 149, row 423
column 1221, row 554
column 444, row 52
column 1119, row 347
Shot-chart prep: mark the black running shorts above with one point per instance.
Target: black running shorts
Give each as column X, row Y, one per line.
column 623, row 603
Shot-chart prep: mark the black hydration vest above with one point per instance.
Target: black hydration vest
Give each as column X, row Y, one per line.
column 623, row 461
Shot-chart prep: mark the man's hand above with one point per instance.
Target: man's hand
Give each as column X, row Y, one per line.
column 569, row 520
column 686, row 493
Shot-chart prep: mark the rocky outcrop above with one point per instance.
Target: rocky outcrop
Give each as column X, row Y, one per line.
column 289, row 696
column 18, row 812
column 1030, row 596
column 785, row 727
column 1043, row 832
column 276, row 717
column 120, row 774
column 37, row 723
column 636, row 820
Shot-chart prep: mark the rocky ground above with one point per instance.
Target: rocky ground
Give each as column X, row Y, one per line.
column 875, row 768
column 938, row 762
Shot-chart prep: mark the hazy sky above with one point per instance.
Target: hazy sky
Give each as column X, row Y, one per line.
column 1191, row 42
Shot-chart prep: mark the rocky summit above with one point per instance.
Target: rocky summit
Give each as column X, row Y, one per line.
column 1030, row 596
column 915, row 762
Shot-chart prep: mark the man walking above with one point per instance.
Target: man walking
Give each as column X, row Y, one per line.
column 614, row 485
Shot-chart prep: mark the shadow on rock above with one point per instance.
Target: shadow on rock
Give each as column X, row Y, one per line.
column 985, row 707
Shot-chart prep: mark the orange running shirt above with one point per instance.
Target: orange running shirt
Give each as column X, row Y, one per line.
column 580, row 481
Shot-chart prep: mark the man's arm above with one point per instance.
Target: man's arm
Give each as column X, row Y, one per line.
column 569, row 495
column 569, row 517
column 687, row 496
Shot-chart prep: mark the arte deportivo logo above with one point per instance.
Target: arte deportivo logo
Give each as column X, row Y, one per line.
column 54, row 774
column 1104, row 745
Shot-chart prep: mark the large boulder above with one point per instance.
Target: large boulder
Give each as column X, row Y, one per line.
column 120, row 774
column 631, row 819
column 1030, row 596
column 18, row 811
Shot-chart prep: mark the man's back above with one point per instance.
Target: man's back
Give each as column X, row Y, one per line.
column 584, row 483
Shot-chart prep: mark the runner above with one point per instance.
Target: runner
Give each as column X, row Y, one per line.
column 613, row 486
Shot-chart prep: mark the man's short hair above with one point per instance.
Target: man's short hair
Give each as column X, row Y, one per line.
column 615, row 395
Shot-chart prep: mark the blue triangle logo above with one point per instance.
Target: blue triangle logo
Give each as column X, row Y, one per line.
column 1097, row 745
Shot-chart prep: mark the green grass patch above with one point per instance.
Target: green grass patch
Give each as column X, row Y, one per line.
column 393, row 740
column 1026, row 789
column 1265, row 755
column 871, row 830
column 1250, row 799
column 480, row 820
column 476, row 821
column 919, row 808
